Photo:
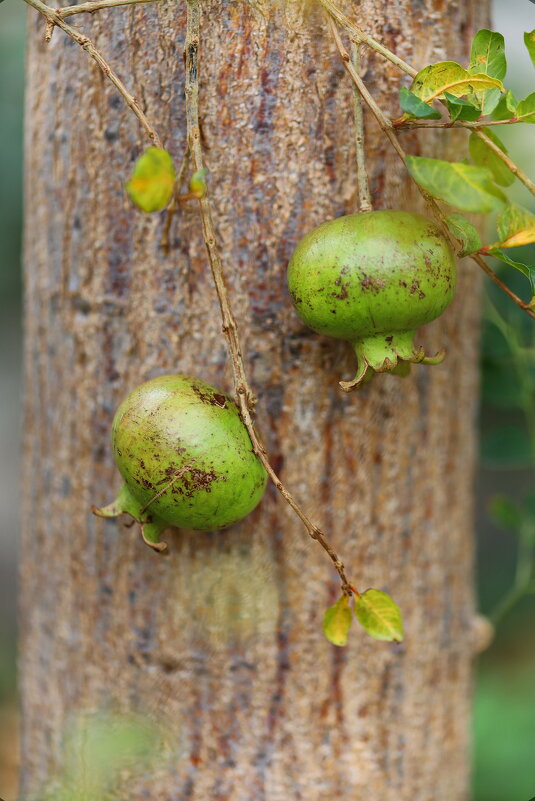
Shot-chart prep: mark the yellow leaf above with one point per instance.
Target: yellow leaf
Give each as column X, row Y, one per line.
column 153, row 178
column 337, row 621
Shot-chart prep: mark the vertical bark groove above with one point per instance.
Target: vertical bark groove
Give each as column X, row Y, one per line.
column 222, row 641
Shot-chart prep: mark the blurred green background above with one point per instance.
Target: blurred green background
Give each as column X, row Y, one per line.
column 504, row 727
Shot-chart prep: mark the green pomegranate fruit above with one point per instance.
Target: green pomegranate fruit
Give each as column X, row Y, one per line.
column 185, row 456
column 374, row 278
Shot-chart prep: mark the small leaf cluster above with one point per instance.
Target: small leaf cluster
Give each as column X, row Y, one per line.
column 474, row 94
column 152, row 183
column 377, row 613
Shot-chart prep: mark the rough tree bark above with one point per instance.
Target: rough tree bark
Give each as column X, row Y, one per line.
column 222, row 641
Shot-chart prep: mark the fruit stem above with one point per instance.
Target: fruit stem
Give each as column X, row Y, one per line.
column 363, row 186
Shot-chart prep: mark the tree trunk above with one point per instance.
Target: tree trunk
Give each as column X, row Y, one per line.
column 221, row 642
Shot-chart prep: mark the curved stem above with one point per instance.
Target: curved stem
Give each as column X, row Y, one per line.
column 506, row 160
column 245, row 397
column 401, row 125
column 358, row 35
column 54, row 18
column 96, row 5
column 492, row 275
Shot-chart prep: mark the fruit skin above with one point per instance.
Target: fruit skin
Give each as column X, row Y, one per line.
column 185, row 456
column 373, row 278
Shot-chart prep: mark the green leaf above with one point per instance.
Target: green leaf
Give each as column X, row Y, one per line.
column 516, row 227
column 461, row 109
column 415, row 107
column 153, row 178
column 448, row 76
column 529, row 41
column 483, row 156
column 526, row 269
column 197, row 184
column 525, row 110
column 505, row 513
column 506, row 447
column 506, row 108
column 379, row 615
column 488, row 54
column 461, row 185
column 337, row 621
column 463, row 230
column 488, row 57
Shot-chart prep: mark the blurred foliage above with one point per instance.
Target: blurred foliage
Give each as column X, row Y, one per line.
column 11, row 93
column 103, row 754
column 11, row 139
column 504, row 725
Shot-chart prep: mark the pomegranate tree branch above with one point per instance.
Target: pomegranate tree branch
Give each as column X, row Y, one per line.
column 401, row 125
column 492, row 275
column 96, row 5
column 244, row 393
column 506, row 160
column 363, row 186
column 387, row 128
column 53, row 17
column 357, row 35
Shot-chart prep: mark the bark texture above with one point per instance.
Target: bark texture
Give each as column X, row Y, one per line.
column 221, row 642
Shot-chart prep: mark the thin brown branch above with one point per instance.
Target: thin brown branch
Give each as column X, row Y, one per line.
column 174, row 478
column 401, row 125
column 506, row 160
column 363, row 186
column 386, row 126
column 54, row 18
column 358, row 35
column 245, row 397
column 492, row 275
column 96, row 5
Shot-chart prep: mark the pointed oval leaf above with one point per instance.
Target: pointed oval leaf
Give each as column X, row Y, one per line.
column 483, row 156
column 525, row 110
column 461, row 185
column 152, row 181
column 415, row 107
column 379, row 615
column 461, row 109
column 337, row 621
column 488, row 54
column 529, row 41
column 463, row 230
column 516, row 226
column 526, row 269
column 488, row 57
column 448, row 76
column 506, row 108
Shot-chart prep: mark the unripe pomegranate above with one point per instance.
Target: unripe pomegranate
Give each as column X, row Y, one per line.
column 374, row 278
column 185, row 456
